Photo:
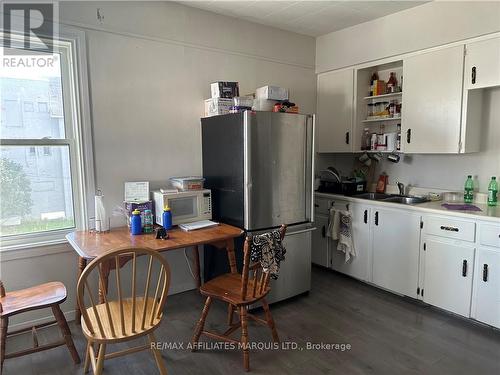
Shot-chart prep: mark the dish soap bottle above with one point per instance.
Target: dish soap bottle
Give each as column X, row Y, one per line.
column 469, row 190
column 167, row 218
column 492, row 192
column 135, row 222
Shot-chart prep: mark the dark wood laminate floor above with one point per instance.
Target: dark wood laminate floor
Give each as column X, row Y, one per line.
column 387, row 334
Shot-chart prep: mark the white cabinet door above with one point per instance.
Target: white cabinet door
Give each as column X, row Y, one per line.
column 448, row 274
column 487, row 287
column 319, row 251
column 335, row 111
column 432, row 101
column 482, row 64
column 359, row 266
column 395, row 250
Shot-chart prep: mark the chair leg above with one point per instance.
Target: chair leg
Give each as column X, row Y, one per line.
column 270, row 321
column 230, row 314
column 157, row 355
column 201, row 322
column 4, row 323
column 87, row 357
column 63, row 326
column 244, row 337
column 100, row 359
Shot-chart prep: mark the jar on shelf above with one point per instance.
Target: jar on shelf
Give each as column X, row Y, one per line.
column 370, row 110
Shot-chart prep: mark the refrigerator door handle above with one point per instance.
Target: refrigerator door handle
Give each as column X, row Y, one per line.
column 300, row 231
column 247, row 152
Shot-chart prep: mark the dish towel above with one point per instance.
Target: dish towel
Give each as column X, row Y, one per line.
column 268, row 249
column 340, row 228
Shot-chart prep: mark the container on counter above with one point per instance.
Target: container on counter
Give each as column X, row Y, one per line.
column 148, row 221
column 135, row 222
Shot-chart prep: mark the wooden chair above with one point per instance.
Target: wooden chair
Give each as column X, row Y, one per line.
column 34, row 298
column 124, row 319
column 239, row 291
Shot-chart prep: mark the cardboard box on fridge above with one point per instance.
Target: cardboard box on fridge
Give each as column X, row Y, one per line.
column 217, row 106
column 226, row 90
column 272, row 93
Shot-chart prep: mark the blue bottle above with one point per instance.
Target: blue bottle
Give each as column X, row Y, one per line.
column 135, row 222
column 167, row 218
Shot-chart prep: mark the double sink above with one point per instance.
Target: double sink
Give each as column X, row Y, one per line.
column 402, row 199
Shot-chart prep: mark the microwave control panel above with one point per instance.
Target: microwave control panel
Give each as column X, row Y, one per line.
column 206, row 204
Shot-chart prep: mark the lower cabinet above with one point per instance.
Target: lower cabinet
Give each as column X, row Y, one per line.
column 395, row 250
column 319, row 251
column 358, row 266
column 448, row 272
column 486, row 305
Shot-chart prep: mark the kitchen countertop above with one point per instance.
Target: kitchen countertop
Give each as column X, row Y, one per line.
column 486, row 213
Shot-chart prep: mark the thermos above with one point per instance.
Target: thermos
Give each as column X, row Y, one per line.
column 135, row 222
column 167, row 218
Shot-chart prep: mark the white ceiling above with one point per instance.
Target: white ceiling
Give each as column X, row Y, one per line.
column 312, row 18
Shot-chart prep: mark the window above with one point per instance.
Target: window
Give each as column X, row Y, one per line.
column 43, row 171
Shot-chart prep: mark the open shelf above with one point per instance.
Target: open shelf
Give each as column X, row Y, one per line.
column 382, row 119
column 384, row 96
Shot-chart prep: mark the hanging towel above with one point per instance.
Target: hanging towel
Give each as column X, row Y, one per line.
column 340, row 228
column 268, row 249
column 346, row 245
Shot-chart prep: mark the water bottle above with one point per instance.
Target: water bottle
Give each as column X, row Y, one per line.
column 135, row 222
column 469, row 190
column 167, row 218
column 148, row 221
column 492, row 192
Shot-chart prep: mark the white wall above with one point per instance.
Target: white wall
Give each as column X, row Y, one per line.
column 425, row 26
column 429, row 25
column 150, row 65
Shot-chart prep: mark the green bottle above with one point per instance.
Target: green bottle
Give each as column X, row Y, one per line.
column 469, row 190
column 492, row 192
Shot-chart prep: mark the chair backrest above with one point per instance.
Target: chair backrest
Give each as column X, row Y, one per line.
column 254, row 280
column 126, row 316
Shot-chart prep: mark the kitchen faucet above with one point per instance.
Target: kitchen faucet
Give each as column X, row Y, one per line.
column 401, row 188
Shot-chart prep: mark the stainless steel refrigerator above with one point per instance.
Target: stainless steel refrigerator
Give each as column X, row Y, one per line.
column 259, row 166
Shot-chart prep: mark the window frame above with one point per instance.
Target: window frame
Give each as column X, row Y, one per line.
column 71, row 44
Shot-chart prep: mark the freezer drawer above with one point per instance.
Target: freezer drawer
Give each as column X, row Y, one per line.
column 295, row 270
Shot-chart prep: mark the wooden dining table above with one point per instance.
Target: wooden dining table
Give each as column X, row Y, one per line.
column 89, row 245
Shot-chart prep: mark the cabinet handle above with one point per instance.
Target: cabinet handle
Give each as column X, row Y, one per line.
column 366, row 217
column 485, row 273
column 347, row 137
column 464, row 268
column 316, row 205
column 323, row 231
column 449, row 229
column 408, row 136
column 473, row 75
column 376, row 218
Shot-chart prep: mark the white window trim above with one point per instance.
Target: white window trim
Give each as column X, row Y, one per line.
column 82, row 161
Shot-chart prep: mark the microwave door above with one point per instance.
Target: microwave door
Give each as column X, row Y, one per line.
column 183, row 208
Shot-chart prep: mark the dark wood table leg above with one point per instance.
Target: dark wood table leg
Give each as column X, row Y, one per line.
column 197, row 268
column 231, row 256
column 82, row 263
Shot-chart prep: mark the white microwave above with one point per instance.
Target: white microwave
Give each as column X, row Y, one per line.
column 186, row 206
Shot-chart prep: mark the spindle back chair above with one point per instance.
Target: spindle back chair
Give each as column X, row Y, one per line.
column 239, row 291
column 124, row 318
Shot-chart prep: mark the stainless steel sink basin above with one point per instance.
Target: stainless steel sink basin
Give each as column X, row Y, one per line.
column 405, row 200
column 373, row 196
column 402, row 199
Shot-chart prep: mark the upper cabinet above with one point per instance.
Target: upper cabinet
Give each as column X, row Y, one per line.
column 482, row 64
column 335, row 111
column 432, row 96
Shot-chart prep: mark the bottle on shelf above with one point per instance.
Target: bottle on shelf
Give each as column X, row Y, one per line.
column 469, row 190
column 398, row 137
column 392, row 83
column 493, row 192
column 372, row 82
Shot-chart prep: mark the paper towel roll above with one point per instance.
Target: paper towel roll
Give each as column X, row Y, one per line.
column 101, row 218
